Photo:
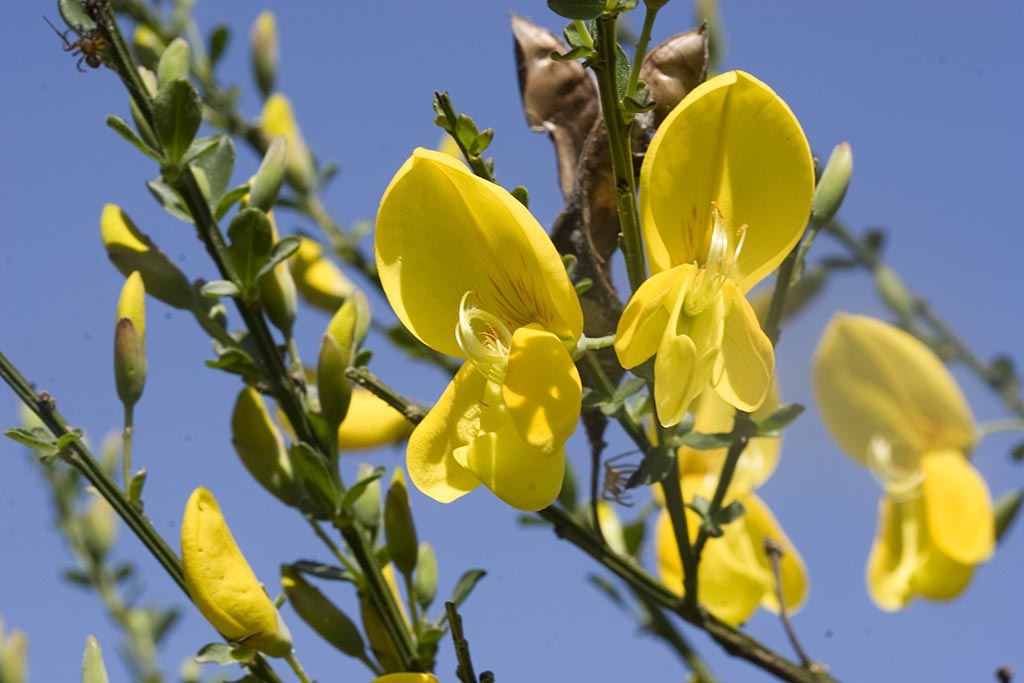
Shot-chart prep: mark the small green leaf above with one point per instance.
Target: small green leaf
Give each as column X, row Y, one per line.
column 66, row 440
column 1017, row 453
column 464, row 586
column 219, row 288
column 174, row 64
column 629, row 386
column 780, row 418
column 281, row 251
column 399, row 527
column 218, row 43
column 270, row 175
column 323, row 571
column 136, row 485
column 177, row 115
column 577, row 9
column 332, row 624
column 224, row 654
column 169, row 199
column 73, row 13
column 699, row 441
column 230, row 198
column 251, row 243
column 321, row 495
column 654, row 467
column 1006, row 510
column 621, row 71
column 353, row 492
column 606, row 587
column 730, row 513
column 481, row 141
column 37, row 438
column 217, row 161
column 121, row 127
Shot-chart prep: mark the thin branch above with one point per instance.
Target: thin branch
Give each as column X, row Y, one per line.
column 775, row 552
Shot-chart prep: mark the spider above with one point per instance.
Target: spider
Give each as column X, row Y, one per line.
column 89, row 47
column 616, row 478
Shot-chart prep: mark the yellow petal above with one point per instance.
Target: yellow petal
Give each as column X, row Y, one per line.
column 958, row 507
column 761, row 524
column 734, row 142
column 642, row 325
column 448, row 425
column 318, row 279
column 744, row 368
column 442, row 232
column 405, row 678
column 522, row 476
column 888, row 581
column 370, row 422
column 872, row 379
column 542, row 389
column 222, row 585
column 685, row 360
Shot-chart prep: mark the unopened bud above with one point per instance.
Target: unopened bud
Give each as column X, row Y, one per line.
column 425, row 583
column 366, row 507
column 148, row 46
column 130, row 341
column 93, row 670
column 13, row 657
column 337, row 352
column 130, row 251
column 321, row 614
column 383, row 648
column 318, row 279
column 399, row 528
column 831, row 188
column 265, row 51
column 278, row 120
column 270, row 175
column 100, row 526
column 894, row 293
column 175, row 63
column 277, row 292
column 371, row 422
column 261, row 448
column 611, row 527
column 221, row 583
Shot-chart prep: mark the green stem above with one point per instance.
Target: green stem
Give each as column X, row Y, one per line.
column 464, row 671
column 732, row 458
column 663, row 628
column 641, row 49
column 775, row 552
column 333, row 547
column 293, row 662
column 366, row 379
column 126, row 448
column 619, row 147
column 586, row 343
column 997, row 426
column 475, row 161
column 689, row 555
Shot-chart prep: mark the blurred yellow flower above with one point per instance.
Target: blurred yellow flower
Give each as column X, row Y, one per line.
column 735, row 574
column 725, row 193
column 893, row 407
column 370, row 422
column 472, row 274
column 406, row 678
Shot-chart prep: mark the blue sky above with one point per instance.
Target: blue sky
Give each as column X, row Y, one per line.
column 926, row 93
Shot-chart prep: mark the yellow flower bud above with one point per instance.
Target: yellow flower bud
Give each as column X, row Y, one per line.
column 222, row 585
column 406, row 678
column 277, row 292
column 277, row 120
column 381, row 645
column 370, row 422
column 318, row 280
column 130, row 250
column 263, row 43
column 337, row 351
column 261, row 448
column 148, row 46
column 130, row 341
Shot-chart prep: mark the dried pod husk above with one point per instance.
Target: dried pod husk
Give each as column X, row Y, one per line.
column 559, row 98
column 674, row 68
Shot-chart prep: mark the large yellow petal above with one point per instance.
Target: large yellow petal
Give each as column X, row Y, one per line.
column 370, row 422
column 643, row 323
column 542, row 389
column 686, row 357
column 734, row 142
column 744, row 368
column 958, row 507
column 450, row 424
column 522, row 476
column 442, row 232
column 872, row 379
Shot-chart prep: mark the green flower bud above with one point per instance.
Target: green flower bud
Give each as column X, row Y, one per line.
column 130, row 341
column 175, row 63
column 321, row 614
column 425, row 584
column 399, row 528
column 1006, row 510
column 130, row 251
column 261, row 448
column 13, row 657
column 277, row 292
column 270, row 175
column 893, row 292
column 93, row 670
column 337, row 351
column 383, row 648
column 366, row 507
column 265, row 51
column 831, row 188
column 148, row 46
column 99, row 525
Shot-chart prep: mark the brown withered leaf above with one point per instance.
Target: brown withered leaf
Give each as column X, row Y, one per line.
column 559, row 98
column 674, row 68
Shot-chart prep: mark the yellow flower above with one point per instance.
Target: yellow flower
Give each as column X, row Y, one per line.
column 406, row 678
column 278, row 119
column 893, row 407
column 472, row 274
column 222, row 585
column 370, row 422
column 725, row 193
column 735, row 573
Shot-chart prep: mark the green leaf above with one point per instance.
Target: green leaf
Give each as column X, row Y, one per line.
column 606, row 587
column 577, row 9
column 629, row 386
column 73, row 14
column 321, row 614
column 399, row 527
column 621, row 71
column 66, row 440
column 281, row 251
column 217, row 161
column 121, row 127
column 230, row 198
column 1006, row 510
column 730, row 513
column 654, row 467
column 136, row 485
column 219, row 288
column 36, row 438
column 464, row 586
column 323, row 571
column 251, row 243
column 218, row 43
column 321, row 495
column 699, row 441
column 177, row 115
column 481, row 141
column 780, row 418
column 581, row 52
column 353, row 492
column 224, row 654
column 175, row 63
column 271, row 173
column 238, row 362
column 169, row 199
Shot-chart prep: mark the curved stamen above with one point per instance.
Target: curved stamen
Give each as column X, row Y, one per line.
column 484, row 338
column 898, row 480
column 721, row 259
